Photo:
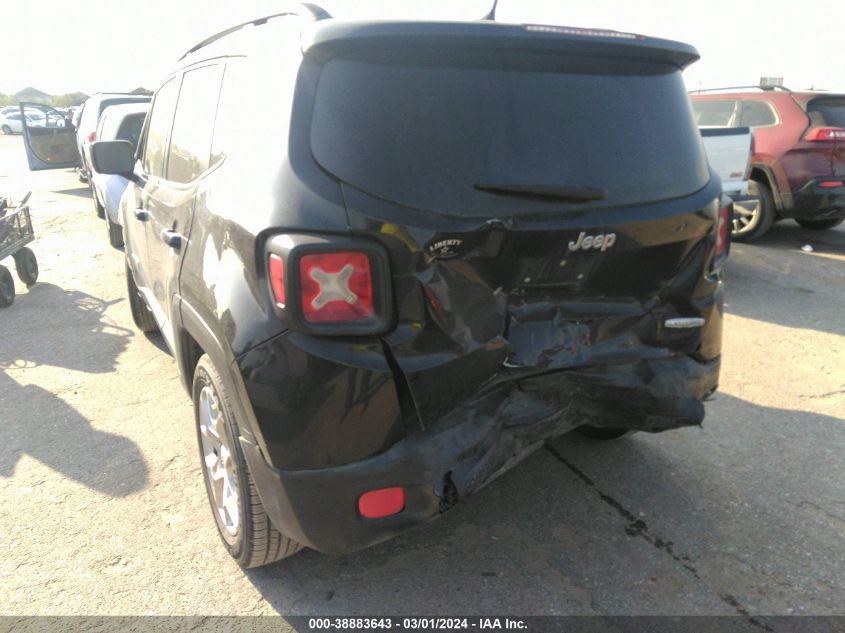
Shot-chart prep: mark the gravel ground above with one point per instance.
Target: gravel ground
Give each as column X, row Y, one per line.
column 104, row 511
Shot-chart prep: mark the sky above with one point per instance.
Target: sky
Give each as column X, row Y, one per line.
column 116, row 45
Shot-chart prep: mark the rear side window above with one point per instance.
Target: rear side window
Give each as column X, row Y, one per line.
column 193, row 128
column 88, row 119
column 130, row 128
column 714, row 112
column 757, row 114
column 425, row 133
column 827, row 112
column 107, row 128
column 161, row 119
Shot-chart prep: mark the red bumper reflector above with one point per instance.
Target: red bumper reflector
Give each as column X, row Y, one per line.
column 830, row 184
column 376, row 504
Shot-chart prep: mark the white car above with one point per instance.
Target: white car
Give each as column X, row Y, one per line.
column 121, row 122
column 11, row 123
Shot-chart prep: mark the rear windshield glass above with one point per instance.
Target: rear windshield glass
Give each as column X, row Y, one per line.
column 827, row 111
column 425, row 135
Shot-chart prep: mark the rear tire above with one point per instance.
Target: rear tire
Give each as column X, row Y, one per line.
column 759, row 217
column 601, row 433
column 115, row 233
column 98, row 208
column 141, row 313
column 820, row 225
column 7, row 130
column 7, row 287
column 27, row 266
column 241, row 521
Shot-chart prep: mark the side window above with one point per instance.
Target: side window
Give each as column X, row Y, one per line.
column 130, row 128
column 757, row 114
column 232, row 123
column 161, row 119
column 190, row 143
column 716, row 113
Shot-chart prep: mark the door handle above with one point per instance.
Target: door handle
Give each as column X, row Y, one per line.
column 171, row 238
column 141, row 215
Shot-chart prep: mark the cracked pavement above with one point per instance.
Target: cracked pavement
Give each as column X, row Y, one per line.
column 105, row 512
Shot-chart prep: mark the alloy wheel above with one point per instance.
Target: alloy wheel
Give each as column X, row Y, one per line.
column 746, row 217
column 219, row 462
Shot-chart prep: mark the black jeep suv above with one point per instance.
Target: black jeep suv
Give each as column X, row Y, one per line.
column 392, row 258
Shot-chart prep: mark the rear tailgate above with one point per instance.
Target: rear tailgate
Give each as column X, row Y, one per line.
column 544, row 197
column 729, row 153
column 827, row 130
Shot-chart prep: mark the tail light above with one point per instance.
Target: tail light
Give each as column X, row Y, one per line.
column 323, row 287
column 92, row 137
column 723, row 230
column 336, row 287
column 277, row 278
column 830, row 184
column 826, row 134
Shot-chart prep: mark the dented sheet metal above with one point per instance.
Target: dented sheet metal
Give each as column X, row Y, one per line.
column 505, row 320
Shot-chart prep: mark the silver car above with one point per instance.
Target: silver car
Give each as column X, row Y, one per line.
column 117, row 123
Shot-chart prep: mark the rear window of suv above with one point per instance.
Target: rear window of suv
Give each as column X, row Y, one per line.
column 827, row 111
column 424, row 134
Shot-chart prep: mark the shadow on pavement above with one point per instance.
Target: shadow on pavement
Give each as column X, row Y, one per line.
column 68, row 332
column 35, row 422
column 82, row 191
column 646, row 524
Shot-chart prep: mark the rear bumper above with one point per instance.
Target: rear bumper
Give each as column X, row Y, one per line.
column 482, row 439
column 813, row 202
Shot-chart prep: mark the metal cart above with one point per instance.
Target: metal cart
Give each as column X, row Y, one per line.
column 15, row 233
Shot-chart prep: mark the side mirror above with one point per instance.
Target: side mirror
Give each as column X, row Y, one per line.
column 113, row 158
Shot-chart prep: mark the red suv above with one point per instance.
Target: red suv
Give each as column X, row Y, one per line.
column 798, row 166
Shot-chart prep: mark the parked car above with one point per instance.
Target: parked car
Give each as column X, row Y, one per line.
column 456, row 241
column 11, row 123
column 798, row 166
column 86, row 129
column 118, row 122
column 729, row 151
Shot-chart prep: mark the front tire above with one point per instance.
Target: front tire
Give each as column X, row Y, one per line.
column 7, row 287
column 98, row 208
column 820, row 225
column 27, row 266
column 115, row 232
column 141, row 313
column 242, row 523
column 751, row 222
column 7, row 130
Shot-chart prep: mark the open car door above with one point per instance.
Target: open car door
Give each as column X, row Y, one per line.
column 49, row 138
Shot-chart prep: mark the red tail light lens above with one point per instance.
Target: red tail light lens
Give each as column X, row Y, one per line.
column 377, row 504
column 92, row 137
column 830, row 184
column 336, row 287
column 826, row 134
column 723, row 228
column 277, row 278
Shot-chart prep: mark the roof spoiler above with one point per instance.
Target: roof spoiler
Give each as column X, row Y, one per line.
column 303, row 9
column 324, row 41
